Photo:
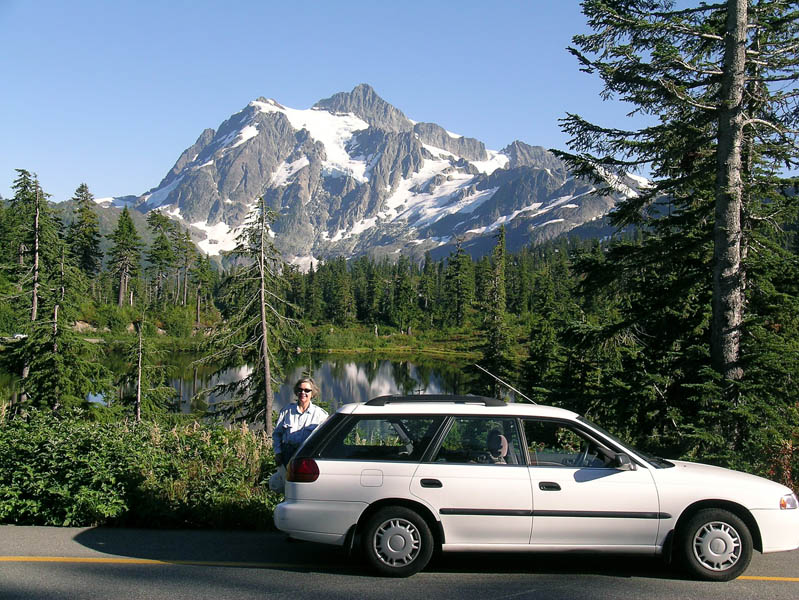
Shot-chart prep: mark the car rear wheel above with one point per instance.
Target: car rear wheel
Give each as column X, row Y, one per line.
column 397, row 542
column 715, row 545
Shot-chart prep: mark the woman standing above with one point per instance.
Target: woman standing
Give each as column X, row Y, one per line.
column 296, row 421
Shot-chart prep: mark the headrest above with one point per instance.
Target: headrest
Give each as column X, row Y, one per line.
column 497, row 443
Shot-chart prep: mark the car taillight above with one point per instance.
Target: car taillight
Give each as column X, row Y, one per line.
column 302, row 470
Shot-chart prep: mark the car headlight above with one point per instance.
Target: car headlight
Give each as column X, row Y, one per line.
column 788, row 501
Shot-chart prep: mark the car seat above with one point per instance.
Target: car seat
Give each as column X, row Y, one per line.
column 497, row 446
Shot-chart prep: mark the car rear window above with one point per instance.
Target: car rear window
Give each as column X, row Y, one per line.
column 384, row 438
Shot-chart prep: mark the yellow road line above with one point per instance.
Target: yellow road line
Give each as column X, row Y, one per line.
column 256, row 565
column 141, row 561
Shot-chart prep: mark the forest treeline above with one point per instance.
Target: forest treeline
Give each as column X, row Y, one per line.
column 616, row 329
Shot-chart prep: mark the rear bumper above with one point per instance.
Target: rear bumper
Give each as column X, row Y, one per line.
column 779, row 529
column 318, row 521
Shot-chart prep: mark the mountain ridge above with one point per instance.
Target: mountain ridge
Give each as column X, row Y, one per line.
column 353, row 175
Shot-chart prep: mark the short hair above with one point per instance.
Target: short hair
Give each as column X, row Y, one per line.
column 314, row 387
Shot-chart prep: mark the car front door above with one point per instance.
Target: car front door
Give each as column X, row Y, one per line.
column 478, row 484
column 580, row 498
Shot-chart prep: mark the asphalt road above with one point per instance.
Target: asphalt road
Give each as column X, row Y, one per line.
column 76, row 563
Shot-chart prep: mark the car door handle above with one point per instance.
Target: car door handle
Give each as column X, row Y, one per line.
column 431, row 483
column 548, row 486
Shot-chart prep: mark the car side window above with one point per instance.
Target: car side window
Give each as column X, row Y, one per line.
column 558, row 444
column 481, row 440
column 382, row 438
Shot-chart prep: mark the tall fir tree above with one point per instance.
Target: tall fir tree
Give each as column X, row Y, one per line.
column 718, row 82
column 497, row 343
column 460, row 284
column 84, row 233
column 125, row 256
column 161, row 253
column 203, row 276
column 256, row 327
column 59, row 369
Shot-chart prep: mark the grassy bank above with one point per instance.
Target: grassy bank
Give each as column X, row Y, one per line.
column 358, row 339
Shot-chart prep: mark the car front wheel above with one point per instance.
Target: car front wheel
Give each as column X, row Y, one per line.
column 715, row 545
column 397, row 542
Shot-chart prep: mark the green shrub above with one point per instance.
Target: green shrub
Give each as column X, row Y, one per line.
column 72, row 472
column 115, row 318
column 177, row 321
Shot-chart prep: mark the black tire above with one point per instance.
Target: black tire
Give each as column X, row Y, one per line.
column 715, row 545
column 397, row 542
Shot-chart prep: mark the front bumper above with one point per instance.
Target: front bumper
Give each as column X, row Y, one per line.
column 779, row 529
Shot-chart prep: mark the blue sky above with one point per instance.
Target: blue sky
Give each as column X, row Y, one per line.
column 111, row 92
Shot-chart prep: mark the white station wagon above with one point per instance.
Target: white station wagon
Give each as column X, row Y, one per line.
column 400, row 476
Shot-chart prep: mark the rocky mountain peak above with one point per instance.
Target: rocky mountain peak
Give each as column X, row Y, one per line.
column 364, row 102
column 353, row 175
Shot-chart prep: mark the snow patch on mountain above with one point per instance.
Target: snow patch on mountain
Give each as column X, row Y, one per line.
column 304, row 262
column 158, row 197
column 249, row 132
column 219, row 237
column 172, row 211
column 496, row 160
column 333, row 131
column 287, row 170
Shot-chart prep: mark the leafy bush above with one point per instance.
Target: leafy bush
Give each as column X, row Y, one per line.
column 115, row 318
column 72, row 472
column 177, row 320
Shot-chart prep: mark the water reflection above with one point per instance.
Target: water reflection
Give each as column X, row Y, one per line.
column 341, row 380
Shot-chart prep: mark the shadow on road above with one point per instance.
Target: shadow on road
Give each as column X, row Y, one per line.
column 274, row 551
column 624, row 566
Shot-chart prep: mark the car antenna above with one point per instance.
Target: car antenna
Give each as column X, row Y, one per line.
column 507, row 385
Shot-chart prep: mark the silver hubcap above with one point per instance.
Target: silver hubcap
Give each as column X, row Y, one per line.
column 397, row 542
column 717, row 546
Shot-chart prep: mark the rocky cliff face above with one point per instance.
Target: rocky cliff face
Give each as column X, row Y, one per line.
column 354, row 175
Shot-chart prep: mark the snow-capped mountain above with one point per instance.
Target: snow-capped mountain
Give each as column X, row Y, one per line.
column 353, row 174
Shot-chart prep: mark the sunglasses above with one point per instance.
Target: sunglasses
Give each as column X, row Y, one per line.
column 304, row 391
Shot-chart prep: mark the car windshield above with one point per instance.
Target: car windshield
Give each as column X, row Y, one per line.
column 655, row 461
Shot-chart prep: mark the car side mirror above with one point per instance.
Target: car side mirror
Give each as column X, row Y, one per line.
column 622, row 462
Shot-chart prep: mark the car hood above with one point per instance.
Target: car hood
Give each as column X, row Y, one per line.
column 724, row 483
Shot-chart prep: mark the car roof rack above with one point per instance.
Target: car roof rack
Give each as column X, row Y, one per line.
column 451, row 399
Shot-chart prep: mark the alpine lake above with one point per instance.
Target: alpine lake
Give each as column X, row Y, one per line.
column 341, row 378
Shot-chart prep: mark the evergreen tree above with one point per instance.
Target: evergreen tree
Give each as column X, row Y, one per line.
column 58, row 368
column 460, row 284
column 711, row 74
column 313, row 302
column 405, row 295
column 84, row 233
column 64, row 368
column 161, row 254
column 37, row 247
column 256, row 327
column 125, row 256
column 497, row 349
column 203, row 277
column 338, row 292
column 147, row 390
column 428, row 289
column 719, row 82
column 185, row 254
column 35, row 242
